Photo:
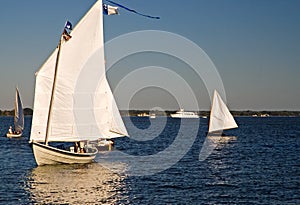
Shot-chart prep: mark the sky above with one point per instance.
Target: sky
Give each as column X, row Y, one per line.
column 254, row 45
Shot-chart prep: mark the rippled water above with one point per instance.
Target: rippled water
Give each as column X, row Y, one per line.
column 257, row 164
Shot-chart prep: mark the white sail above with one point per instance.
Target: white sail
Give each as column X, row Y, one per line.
column 75, row 111
column 220, row 117
column 19, row 115
column 110, row 120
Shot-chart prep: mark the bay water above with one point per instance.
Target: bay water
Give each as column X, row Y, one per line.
column 258, row 163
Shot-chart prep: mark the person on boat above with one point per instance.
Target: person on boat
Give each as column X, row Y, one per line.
column 10, row 130
column 111, row 142
column 81, row 145
column 76, row 147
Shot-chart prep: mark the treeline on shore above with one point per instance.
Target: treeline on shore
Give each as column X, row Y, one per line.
column 29, row 111
column 206, row 113
column 26, row 111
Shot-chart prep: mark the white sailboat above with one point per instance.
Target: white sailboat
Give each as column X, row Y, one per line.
column 18, row 118
column 73, row 101
column 220, row 117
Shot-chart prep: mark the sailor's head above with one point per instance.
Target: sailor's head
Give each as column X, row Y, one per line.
column 10, row 127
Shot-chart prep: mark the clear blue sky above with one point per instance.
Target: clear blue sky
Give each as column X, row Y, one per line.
column 254, row 44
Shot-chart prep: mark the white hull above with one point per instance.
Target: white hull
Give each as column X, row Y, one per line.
column 184, row 116
column 13, row 135
column 152, row 116
column 105, row 142
column 45, row 155
column 103, row 145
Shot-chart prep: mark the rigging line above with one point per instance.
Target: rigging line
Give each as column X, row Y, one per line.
column 133, row 11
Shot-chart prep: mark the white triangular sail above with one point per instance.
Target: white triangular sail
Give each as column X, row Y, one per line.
column 110, row 121
column 75, row 112
column 19, row 115
column 220, row 117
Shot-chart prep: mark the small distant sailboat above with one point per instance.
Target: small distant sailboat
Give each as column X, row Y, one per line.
column 73, row 101
column 220, row 117
column 18, row 118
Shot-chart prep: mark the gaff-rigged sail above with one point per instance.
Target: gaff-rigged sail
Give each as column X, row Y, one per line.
column 75, row 112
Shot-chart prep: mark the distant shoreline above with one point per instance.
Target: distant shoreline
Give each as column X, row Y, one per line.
column 253, row 113
column 250, row 113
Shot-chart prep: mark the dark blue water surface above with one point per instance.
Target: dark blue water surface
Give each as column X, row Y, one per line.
column 258, row 164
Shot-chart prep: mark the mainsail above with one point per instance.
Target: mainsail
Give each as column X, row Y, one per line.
column 19, row 115
column 220, row 117
column 83, row 106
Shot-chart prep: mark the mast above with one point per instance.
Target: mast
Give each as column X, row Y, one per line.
column 53, row 89
column 211, row 112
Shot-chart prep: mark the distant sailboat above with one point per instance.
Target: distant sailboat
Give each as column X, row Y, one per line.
column 18, row 118
column 220, row 117
column 73, row 101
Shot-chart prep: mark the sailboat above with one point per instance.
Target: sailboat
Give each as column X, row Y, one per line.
column 220, row 117
column 18, row 118
column 73, row 101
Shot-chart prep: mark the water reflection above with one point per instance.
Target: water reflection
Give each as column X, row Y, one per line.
column 213, row 141
column 74, row 184
column 220, row 163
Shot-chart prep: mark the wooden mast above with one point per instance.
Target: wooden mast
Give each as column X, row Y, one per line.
column 53, row 89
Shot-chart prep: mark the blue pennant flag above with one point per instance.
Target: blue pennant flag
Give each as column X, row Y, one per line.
column 68, row 25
